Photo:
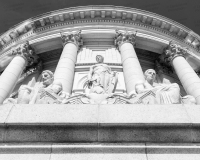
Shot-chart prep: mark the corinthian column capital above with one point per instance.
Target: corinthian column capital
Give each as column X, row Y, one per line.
column 122, row 38
column 26, row 51
column 173, row 50
column 72, row 38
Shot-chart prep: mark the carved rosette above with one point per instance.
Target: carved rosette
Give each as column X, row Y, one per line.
column 122, row 38
column 27, row 52
column 72, row 38
column 172, row 51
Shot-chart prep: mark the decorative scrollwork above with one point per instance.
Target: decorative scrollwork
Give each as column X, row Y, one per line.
column 72, row 38
column 172, row 51
column 26, row 51
column 122, row 38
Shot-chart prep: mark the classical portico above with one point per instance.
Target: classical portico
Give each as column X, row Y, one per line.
column 108, row 75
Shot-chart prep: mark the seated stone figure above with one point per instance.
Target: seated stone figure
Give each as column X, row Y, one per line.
column 163, row 93
column 24, row 95
column 50, row 92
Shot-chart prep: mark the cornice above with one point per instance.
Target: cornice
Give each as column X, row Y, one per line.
column 98, row 15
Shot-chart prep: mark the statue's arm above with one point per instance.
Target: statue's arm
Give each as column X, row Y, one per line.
column 143, row 87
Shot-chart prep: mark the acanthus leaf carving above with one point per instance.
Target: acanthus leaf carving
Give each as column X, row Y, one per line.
column 122, row 38
column 174, row 50
column 26, row 51
column 72, row 38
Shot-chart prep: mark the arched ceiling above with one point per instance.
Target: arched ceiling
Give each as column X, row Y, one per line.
column 185, row 12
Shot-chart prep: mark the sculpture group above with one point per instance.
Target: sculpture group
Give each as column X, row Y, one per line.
column 101, row 83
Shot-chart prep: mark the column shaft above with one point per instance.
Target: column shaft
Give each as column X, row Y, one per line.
column 133, row 73
column 188, row 77
column 175, row 54
column 10, row 76
column 64, row 72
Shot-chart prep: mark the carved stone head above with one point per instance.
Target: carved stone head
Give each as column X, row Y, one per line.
column 150, row 75
column 99, row 59
column 47, row 77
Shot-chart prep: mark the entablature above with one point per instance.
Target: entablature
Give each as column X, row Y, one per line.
column 148, row 25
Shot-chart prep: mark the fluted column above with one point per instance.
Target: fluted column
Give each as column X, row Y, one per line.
column 133, row 73
column 8, row 79
column 189, row 79
column 64, row 72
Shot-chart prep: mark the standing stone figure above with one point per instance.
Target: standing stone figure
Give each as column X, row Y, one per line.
column 100, row 78
column 102, row 83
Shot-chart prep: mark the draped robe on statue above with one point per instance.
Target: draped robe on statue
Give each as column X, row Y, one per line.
column 167, row 93
column 162, row 93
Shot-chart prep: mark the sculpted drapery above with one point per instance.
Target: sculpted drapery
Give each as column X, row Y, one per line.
column 100, row 78
column 163, row 93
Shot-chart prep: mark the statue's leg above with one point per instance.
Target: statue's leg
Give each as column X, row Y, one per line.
column 106, row 81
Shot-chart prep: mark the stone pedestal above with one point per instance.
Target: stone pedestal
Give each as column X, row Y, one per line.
column 188, row 77
column 51, row 123
column 14, row 70
column 133, row 73
column 64, row 72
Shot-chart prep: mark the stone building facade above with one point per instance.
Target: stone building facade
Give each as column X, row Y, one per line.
column 143, row 93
